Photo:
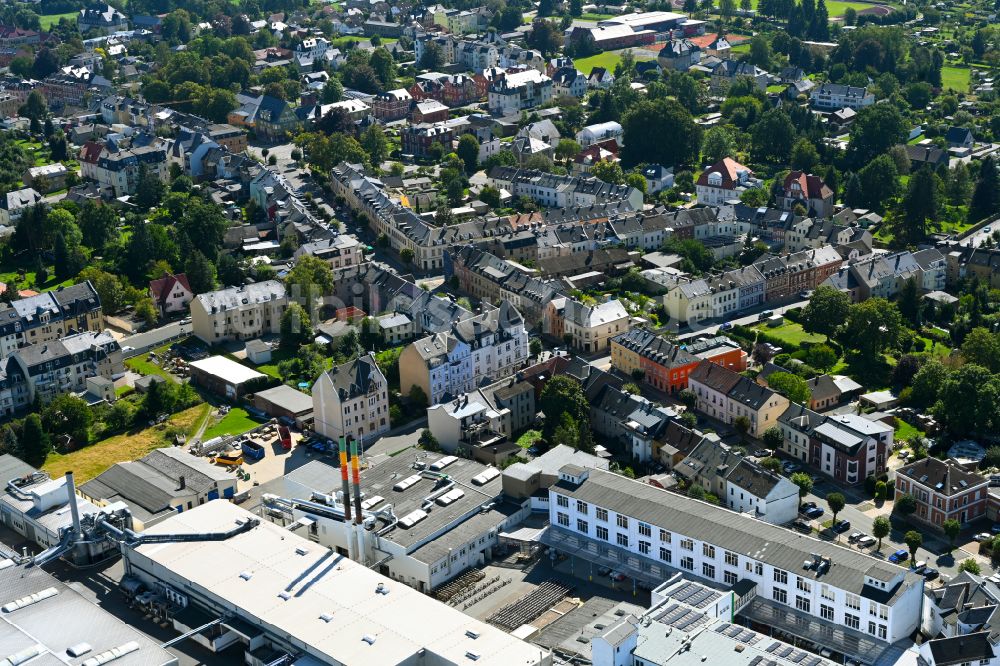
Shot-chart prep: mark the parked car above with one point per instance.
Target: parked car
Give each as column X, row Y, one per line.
column 726, row 326
column 866, row 541
column 899, row 556
column 842, row 526
column 802, row 526
column 982, row 537
column 919, row 566
column 806, row 506
column 815, row 512
column 761, row 453
column 604, row 571
column 617, row 576
column 995, row 529
column 855, row 537
column 931, row 574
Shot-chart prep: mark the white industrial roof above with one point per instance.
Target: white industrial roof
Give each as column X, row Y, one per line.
column 231, row 371
column 364, row 627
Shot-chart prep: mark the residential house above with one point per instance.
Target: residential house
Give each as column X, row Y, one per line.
column 491, row 345
column 836, row 96
column 352, row 400
column 569, row 82
column 845, row 447
column 808, row 191
column 658, row 178
column 664, row 365
column 270, row 118
column 14, row 203
column 600, row 78
column 960, row 137
column 929, row 155
column 50, row 316
column 392, row 104
column 339, row 251
column 519, row 91
column 239, row 313
column 103, row 19
column 171, row 293
column 589, row 328
column 46, row 178
column 727, row 396
column 118, row 169
column 728, row 71
column 679, row 54
column 715, row 297
column 944, row 490
column 724, row 181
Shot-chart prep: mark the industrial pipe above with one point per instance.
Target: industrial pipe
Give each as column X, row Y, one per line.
column 74, row 509
column 357, row 481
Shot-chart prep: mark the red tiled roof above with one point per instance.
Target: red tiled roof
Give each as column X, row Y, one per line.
column 90, row 152
column 728, row 167
column 812, row 186
column 160, row 289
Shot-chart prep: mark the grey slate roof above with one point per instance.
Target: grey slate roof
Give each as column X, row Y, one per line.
column 726, row 529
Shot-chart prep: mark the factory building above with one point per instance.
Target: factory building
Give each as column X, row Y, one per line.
column 290, row 600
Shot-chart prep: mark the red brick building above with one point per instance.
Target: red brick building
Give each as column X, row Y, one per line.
column 944, row 490
column 665, row 365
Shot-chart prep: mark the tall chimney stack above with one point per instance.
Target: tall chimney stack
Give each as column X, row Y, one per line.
column 74, row 509
column 343, row 477
column 357, row 481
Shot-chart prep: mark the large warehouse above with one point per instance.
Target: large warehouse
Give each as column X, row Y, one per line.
column 298, row 602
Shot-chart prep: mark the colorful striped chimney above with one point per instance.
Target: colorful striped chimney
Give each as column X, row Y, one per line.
column 357, row 480
column 343, row 477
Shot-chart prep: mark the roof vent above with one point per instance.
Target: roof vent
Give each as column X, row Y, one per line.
column 326, row 617
column 246, row 575
column 285, row 596
column 367, row 638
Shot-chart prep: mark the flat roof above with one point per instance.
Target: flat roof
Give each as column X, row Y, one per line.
column 226, row 369
column 64, row 620
column 287, row 398
column 275, row 579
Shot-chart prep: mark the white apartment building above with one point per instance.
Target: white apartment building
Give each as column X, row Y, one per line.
column 836, row 96
column 352, row 399
column 49, row 316
column 239, row 313
column 727, row 396
column 13, row 204
column 519, row 91
column 119, row 170
column 809, row 588
column 591, row 327
column 555, row 191
column 489, row 346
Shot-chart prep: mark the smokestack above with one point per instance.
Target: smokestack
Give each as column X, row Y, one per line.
column 71, row 496
column 357, row 481
column 343, row 477
column 181, row 483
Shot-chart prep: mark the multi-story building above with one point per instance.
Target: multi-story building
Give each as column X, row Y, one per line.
column 229, row 137
column 519, row 91
column 808, row 191
column 340, row 251
column 239, row 313
column 45, row 370
column 589, row 328
column 555, row 191
column 392, row 104
column 417, row 140
column 791, row 274
column 119, row 170
column 269, row 117
column 352, row 399
column 13, row 204
column 845, row 447
column 883, row 276
column 801, row 586
column 724, row 181
column 726, row 395
column 50, row 316
column 836, row 96
column 488, row 346
column 665, row 365
column 103, row 19
column 715, row 297
column 944, row 490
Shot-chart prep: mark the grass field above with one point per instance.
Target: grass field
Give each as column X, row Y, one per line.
column 607, row 60
column 236, row 422
column 956, row 78
column 791, row 333
column 905, row 431
column 526, row 440
column 143, row 367
column 595, row 17
column 836, row 7
column 90, row 461
column 50, row 20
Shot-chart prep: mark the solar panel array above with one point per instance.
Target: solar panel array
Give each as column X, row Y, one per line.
column 794, row 655
column 681, row 617
column 738, row 633
column 761, row 661
column 694, row 595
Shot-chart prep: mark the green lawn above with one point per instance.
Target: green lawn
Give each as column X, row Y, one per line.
column 49, row 20
column 905, row 431
column 144, row 367
column 90, row 461
column 526, row 440
column 607, row 60
column 791, row 333
column 836, row 7
column 596, row 17
column 236, row 422
column 277, row 356
column 956, row 78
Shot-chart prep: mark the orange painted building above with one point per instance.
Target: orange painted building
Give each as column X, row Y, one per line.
column 666, row 365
